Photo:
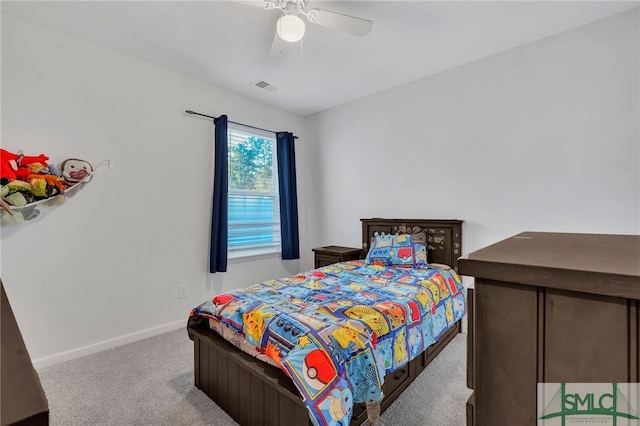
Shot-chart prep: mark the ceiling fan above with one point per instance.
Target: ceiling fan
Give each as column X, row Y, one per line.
column 291, row 28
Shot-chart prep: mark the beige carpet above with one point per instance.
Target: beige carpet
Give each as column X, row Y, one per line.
column 150, row 382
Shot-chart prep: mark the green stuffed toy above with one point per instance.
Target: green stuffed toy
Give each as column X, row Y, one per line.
column 16, row 199
column 39, row 188
column 7, row 215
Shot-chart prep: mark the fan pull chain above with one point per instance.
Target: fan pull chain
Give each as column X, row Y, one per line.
column 301, row 42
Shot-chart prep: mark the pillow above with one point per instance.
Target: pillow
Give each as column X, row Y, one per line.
column 398, row 250
column 420, row 254
column 419, row 239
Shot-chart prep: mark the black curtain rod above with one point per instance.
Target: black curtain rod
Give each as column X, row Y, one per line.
column 240, row 124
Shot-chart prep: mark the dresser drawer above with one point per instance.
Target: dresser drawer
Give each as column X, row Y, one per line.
column 397, row 381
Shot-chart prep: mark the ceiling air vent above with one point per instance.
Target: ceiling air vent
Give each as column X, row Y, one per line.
column 265, row 85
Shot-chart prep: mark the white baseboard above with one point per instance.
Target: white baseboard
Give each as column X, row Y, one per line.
column 50, row 360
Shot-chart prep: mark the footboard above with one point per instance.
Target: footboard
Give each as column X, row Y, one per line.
column 250, row 391
column 255, row 393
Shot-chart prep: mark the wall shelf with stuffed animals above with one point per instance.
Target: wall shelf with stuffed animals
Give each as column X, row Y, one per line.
column 31, row 185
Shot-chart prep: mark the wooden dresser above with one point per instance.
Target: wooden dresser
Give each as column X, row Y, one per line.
column 549, row 308
column 23, row 401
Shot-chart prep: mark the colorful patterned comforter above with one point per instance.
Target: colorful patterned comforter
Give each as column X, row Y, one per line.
column 337, row 330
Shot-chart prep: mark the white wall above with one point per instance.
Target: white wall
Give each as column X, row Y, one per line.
column 544, row 137
column 104, row 268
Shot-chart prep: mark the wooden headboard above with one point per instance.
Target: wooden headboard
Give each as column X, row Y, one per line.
column 444, row 237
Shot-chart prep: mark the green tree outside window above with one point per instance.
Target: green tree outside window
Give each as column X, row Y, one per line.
column 251, row 165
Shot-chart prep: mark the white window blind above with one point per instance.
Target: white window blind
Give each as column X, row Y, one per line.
column 253, row 203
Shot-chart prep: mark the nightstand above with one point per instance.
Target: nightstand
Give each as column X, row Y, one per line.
column 332, row 254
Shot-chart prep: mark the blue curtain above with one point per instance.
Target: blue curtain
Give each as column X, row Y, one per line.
column 219, row 226
column 288, row 195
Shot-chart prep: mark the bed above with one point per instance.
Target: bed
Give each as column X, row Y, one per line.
column 254, row 391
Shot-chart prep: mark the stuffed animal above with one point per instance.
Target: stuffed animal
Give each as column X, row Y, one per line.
column 16, row 199
column 50, row 180
column 38, row 188
column 17, row 166
column 75, row 170
column 8, row 165
column 6, row 207
column 18, row 186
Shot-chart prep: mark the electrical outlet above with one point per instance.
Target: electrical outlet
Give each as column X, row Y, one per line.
column 182, row 291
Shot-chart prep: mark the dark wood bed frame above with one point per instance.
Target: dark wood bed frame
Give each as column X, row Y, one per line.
column 255, row 393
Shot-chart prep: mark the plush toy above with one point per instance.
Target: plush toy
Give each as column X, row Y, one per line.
column 28, row 164
column 53, row 170
column 17, row 166
column 6, row 207
column 16, row 199
column 39, row 188
column 75, row 170
column 8, row 165
column 28, row 160
column 50, row 180
column 18, row 186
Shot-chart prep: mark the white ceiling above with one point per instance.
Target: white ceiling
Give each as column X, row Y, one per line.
column 227, row 43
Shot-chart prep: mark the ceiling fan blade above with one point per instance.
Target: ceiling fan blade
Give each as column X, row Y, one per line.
column 256, row 3
column 340, row 22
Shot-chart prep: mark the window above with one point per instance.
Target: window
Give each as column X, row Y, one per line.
column 253, row 203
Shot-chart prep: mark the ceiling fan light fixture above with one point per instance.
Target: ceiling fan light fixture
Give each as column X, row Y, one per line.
column 290, row 28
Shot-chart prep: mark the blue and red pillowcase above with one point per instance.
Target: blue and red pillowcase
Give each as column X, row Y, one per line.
column 397, row 250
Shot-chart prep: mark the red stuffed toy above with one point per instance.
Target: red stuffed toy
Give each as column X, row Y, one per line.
column 8, row 165
column 16, row 166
